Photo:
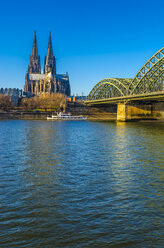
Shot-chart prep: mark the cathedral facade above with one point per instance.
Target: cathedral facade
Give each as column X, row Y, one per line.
column 36, row 82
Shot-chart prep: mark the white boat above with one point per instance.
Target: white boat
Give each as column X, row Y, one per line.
column 62, row 116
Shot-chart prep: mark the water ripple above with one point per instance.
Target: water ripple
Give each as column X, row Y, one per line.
column 81, row 184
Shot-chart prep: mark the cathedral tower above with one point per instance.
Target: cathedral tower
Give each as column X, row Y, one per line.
column 37, row 83
column 34, row 65
column 50, row 62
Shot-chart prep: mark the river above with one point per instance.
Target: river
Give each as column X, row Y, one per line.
column 81, row 184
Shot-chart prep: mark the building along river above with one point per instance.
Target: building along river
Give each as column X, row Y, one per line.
column 81, row 184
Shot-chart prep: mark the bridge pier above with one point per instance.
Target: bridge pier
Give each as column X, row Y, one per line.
column 121, row 112
column 131, row 111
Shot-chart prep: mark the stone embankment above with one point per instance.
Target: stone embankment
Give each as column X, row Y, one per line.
column 22, row 116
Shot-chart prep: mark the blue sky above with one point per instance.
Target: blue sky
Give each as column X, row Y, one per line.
column 91, row 40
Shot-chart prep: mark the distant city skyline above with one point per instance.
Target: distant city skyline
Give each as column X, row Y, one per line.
column 91, row 40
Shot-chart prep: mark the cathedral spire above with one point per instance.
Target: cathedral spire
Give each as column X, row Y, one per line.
column 35, row 48
column 50, row 63
column 49, row 50
column 34, row 65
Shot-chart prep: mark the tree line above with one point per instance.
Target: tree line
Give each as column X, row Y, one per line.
column 46, row 102
column 55, row 102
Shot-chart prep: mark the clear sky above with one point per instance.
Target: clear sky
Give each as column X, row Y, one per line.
column 92, row 39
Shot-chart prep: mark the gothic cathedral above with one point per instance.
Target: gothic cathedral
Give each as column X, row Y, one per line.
column 36, row 82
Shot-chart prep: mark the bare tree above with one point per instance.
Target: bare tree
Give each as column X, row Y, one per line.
column 46, row 101
column 5, row 102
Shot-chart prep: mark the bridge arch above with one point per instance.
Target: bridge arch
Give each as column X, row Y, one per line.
column 150, row 76
column 108, row 88
column 149, row 79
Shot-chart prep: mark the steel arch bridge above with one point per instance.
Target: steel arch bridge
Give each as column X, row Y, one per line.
column 149, row 79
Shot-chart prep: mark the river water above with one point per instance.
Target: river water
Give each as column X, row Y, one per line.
column 81, row 184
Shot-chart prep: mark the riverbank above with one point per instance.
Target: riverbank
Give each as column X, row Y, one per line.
column 91, row 117
column 43, row 116
column 103, row 113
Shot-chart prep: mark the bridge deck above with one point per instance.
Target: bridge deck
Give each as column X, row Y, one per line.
column 154, row 96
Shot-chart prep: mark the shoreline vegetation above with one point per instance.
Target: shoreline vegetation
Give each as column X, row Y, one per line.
column 55, row 102
column 39, row 107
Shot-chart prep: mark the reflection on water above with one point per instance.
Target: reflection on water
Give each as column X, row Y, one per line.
column 81, row 184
